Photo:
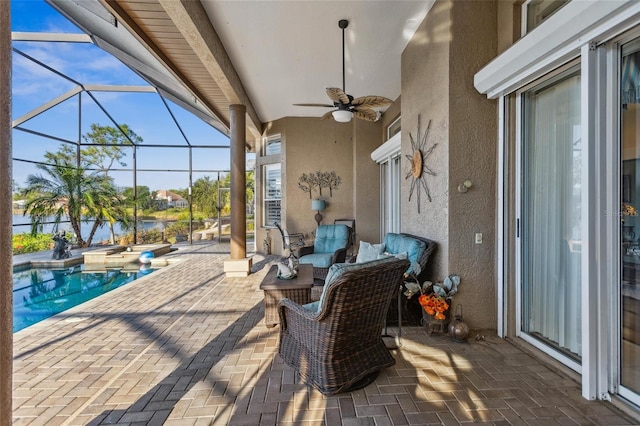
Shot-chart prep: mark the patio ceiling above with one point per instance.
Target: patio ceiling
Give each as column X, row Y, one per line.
column 266, row 55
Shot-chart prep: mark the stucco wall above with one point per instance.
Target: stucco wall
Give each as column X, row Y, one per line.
column 425, row 82
column 309, row 145
column 366, row 189
column 509, row 12
column 472, row 155
column 455, row 40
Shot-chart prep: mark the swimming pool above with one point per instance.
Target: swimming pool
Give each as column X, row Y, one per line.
column 41, row 293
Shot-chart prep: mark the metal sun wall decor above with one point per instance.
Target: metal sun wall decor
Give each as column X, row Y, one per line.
column 419, row 168
column 310, row 181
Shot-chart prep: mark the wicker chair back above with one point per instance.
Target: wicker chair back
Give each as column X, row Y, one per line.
column 321, row 345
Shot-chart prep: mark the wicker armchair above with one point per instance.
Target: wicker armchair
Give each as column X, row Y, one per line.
column 329, row 247
column 339, row 347
column 411, row 309
column 430, row 248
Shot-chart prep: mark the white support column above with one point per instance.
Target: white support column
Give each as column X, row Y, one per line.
column 6, row 263
column 239, row 265
column 502, row 218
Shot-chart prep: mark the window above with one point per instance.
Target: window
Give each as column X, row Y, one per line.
column 388, row 157
column 272, row 193
column 273, row 145
column 534, row 12
column 394, row 128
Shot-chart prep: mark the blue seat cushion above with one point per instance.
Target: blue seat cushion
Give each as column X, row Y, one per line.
column 396, row 244
column 313, row 306
column 330, row 238
column 318, row 260
column 338, row 269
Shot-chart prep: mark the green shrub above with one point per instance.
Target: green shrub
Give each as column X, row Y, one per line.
column 143, row 237
column 149, row 236
column 177, row 228
column 27, row 243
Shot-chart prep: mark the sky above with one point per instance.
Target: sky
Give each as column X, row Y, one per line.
column 145, row 113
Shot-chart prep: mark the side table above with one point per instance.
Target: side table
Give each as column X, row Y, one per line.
column 275, row 289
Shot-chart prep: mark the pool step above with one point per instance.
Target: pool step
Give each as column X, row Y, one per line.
column 123, row 254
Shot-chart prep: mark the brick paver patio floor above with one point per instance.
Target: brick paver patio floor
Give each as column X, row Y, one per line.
column 185, row 345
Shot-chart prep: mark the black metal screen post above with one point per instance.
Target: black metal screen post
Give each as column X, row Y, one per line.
column 6, row 218
column 190, row 196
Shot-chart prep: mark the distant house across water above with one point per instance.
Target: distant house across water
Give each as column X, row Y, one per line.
column 18, row 205
column 167, row 199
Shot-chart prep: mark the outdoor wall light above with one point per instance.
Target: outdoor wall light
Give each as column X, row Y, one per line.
column 342, row 115
column 464, row 187
column 318, row 206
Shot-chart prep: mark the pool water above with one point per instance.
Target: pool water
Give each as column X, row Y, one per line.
column 41, row 293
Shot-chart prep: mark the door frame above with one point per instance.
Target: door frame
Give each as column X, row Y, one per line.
column 613, row 150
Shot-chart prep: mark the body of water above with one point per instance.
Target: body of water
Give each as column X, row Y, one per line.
column 23, row 224
column 41, row 293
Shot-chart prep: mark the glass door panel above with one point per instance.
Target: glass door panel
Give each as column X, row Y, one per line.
column 630, row 196
column 550, row 213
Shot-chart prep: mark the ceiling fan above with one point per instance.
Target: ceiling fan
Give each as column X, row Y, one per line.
column 348, row 106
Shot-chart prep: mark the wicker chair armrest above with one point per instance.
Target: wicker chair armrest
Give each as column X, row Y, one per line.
column 339, row 256
column 287, row 308
column 303, row 251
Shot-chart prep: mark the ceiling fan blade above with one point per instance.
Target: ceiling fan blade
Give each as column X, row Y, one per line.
column 327, row 115
column 315, row 105
column 371, row 101
column 366, row 114
column 337, row 95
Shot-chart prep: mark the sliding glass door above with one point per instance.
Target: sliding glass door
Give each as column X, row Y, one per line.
column 550, row 214
column 629, row 220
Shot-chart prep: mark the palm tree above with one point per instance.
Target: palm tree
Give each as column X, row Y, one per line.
column 65, row 190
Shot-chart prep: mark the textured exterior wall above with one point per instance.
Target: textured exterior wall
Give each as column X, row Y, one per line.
column 455, row 41
column 309, row 145
column 314, row 145
column 473, row 156
column 425, row 83
column 366, row 189
column 508, row 23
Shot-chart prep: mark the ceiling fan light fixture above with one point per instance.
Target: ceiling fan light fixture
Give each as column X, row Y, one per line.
column 342, row 116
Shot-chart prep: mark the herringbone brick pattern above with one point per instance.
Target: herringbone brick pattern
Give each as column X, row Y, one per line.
column 185, row 345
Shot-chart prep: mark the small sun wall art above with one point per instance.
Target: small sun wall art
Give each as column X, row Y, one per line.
column 419, row 168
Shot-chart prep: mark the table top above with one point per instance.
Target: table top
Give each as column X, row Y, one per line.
column 303, row 280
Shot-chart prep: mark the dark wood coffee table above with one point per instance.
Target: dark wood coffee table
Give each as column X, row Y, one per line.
column 275, row 289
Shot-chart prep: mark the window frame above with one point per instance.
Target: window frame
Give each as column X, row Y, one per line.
column 524, row 25
column 266, row 143
column 392, row 127
column 267, row 222
column 389, row 159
